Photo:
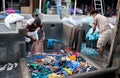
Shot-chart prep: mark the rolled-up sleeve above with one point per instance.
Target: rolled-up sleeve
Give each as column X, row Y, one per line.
column 95, row 20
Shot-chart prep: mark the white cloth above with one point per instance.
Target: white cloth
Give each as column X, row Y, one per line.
column 32, row 34
column 12, row 18
column 70, row 20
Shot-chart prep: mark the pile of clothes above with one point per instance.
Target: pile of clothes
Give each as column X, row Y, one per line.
column 59, row 64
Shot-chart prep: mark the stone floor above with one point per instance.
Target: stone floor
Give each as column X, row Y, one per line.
column 92, row 55
column 15, row 73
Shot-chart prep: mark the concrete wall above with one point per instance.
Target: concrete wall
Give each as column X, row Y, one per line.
column 10, row 43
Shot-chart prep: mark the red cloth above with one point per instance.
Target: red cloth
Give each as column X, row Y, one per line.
column 76, row 54
column 37, row 47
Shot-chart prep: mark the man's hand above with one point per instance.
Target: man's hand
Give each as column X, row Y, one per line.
column 93, row 31
column 94, row 28
column 33, row 39
column 42, row 39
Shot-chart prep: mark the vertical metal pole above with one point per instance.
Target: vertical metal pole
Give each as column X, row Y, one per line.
column 75, row 7
column 11, row 3
column 67, row 8
column 104, row 6
column 3, row 2
column 40, row 2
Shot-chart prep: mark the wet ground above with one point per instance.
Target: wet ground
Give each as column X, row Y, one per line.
column 92, row 54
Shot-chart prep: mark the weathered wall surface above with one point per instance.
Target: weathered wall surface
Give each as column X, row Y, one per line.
column 10, row 40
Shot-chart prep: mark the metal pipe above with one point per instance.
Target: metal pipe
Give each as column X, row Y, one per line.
column 11, row 3
column 3, row 2
column 75, row 7
column 114, row 44
column 40, row 1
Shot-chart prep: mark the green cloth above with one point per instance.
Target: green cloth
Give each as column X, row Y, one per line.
column 45, row 7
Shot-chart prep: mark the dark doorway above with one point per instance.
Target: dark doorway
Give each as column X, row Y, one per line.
column 0, row 5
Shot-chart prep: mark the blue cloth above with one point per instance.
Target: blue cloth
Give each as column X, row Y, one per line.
column 51, row 41
column 40, row 57
column 72, row 65
column 49, row 3
column 68, row 64
column 83, row 70
column 3, row 15
column 88, row 51
column 39, row 75
column 59, row 7
column 59, row 10
column 75, row 65
column 56, row 64
column 65, row 72
column 93, row 36
column 17, row 12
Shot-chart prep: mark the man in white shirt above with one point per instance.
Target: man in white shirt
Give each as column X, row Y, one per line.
column 104, row 29
column 59, row 7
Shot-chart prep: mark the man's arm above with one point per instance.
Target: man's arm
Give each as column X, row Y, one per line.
column 94, row 28
column 42, row 33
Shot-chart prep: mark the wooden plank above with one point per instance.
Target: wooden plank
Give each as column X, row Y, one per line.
column 25, row 10
column 115, row 37
column 24, row 69
column 31, row 7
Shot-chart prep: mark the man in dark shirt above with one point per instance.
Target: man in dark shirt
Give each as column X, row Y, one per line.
column 32, row 27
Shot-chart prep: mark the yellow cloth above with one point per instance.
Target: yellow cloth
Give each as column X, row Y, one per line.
column 68, row 71
column 73, row 58
column 54, row 75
